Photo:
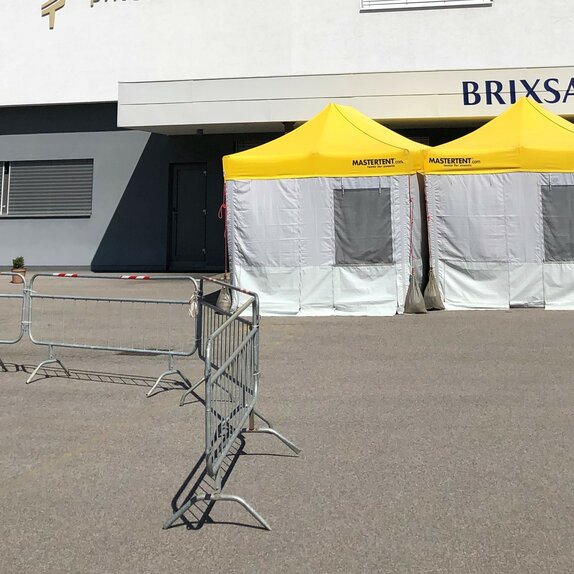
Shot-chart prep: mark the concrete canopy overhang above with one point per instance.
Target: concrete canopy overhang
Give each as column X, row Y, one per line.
column 267, row 104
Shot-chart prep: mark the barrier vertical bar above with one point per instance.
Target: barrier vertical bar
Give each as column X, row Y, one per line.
column 22, row 323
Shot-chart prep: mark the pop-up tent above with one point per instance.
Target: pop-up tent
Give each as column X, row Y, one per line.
column 326, row 219
column 500, row 205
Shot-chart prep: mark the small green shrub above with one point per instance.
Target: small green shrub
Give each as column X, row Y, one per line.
column 18, row 263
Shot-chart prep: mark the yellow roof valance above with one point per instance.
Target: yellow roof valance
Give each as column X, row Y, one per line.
column 338, row 142
column 526, row 137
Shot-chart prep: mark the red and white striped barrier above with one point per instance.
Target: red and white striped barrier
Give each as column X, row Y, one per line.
column 64, row 274
column 137, row 277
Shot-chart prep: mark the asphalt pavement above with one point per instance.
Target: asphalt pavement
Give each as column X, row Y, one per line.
column 439, row 443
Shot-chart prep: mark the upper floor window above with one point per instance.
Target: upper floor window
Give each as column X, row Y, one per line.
column 372, row 5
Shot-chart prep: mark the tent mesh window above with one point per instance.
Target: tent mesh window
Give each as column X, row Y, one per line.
column 363, row 230
column 558, row 217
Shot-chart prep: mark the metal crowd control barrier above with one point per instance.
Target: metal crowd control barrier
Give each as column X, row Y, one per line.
column 210, row 318
column 77, row 318
column 231, row 379
column 12, row 313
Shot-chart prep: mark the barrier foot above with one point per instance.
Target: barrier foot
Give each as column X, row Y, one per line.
column 180, row 512
column 170, row 372
column 189, row 391
column 245, row 505
column 272, row 431
column 214, row 498
column 47, row 362
column 3, row 366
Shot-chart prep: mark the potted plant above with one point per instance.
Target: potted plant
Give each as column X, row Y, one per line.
column 18, row 267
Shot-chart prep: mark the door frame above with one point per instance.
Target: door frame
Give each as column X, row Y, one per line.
column 173, row 167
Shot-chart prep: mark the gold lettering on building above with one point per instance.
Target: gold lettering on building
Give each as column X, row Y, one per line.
column 50, row 8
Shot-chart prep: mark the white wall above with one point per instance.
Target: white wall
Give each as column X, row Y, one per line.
column 91, row 49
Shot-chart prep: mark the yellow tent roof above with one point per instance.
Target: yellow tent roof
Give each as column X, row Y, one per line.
column 338, row 142
column 526, row 137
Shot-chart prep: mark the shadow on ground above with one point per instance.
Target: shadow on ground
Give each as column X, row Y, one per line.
column 95, row 376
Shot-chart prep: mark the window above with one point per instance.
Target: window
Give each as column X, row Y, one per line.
column 60, row 188
column 374, row 5
column 558, row 216
column 363, row 228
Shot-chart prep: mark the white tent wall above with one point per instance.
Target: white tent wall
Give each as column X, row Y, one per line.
column 317, row 246
column 487, row 240
column 283, row 245
column 264, row 241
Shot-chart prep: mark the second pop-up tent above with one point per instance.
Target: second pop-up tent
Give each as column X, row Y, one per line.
column 326, row 219
column 501, row 212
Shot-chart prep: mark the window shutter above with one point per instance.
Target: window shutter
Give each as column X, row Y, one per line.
column 51, row 188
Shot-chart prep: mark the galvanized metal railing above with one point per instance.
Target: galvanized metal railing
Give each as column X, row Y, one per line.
column 56, row 312
column 65, row 310
column 231, row 379
column 210, row 317
column 12, row 312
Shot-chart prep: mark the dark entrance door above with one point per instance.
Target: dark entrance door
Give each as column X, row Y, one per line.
column 188, row 217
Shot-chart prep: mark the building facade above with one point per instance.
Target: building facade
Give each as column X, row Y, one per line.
column 114, row 115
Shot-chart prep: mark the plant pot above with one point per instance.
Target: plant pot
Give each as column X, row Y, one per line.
column 15, row 278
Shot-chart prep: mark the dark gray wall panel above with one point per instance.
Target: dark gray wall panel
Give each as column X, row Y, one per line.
column 68, row 241
column 128, row 229
column 65, row 118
